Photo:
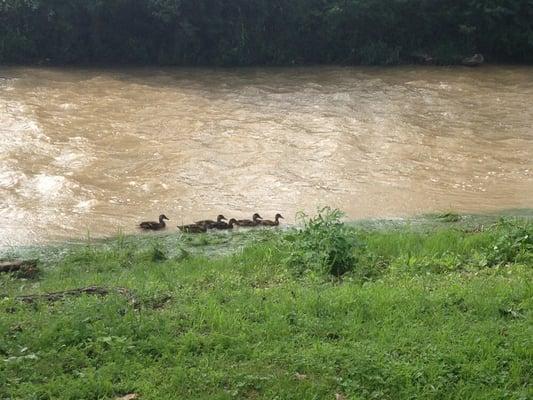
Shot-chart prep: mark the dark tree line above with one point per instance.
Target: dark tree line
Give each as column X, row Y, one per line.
column 248, row 32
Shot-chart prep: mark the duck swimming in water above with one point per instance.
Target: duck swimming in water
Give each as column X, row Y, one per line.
column 154, row 226
column 208, row 223
column 223, row 225
column 247, row 222
column 192, row 228
column 267, row 222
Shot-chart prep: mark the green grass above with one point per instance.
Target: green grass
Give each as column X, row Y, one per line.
column 433, row 313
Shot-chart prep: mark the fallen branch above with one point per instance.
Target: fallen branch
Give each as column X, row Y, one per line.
column 154, row 303
column 23, row 268
column 91, row 290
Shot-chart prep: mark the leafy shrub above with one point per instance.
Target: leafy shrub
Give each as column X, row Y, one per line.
column 513, row 242
column 324, row 244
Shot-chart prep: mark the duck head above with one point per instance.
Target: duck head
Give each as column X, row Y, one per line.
column 221, row 217
column 278, row 216
column 162, row 217
column 256, row 216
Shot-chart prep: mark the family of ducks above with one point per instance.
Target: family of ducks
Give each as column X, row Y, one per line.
column 204, row 225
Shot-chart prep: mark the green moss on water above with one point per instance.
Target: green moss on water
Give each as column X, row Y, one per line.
column 428, row 310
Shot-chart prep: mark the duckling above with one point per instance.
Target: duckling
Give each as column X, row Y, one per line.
column 223, row 225
column 247, row 222
column 154, row 226
column 209, row 222
column 192, row 228
column 267, row 222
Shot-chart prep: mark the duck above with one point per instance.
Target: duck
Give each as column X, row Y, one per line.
column 267, row 222
column 247, row 222
column 154, row 226
column 209, row 222
column 223, row 225
column 192, row 228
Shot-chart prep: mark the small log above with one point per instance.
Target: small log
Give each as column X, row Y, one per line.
column 12, row 266
column 22, row 268
column 154, row 304
column 91, row 290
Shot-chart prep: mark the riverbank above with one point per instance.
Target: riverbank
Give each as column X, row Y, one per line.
column 439, row 308
column 285, row 32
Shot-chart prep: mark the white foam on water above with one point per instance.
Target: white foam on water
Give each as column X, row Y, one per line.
column 10, row 178
column 67, row 106
column 50, row 190
column 49, row 185
column 71, row 159
column 19, row 131
column 85, row 206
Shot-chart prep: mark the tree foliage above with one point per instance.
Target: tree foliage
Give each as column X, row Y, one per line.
column 248, row 32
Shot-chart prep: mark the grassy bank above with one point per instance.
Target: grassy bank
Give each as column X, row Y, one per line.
column 440, row 310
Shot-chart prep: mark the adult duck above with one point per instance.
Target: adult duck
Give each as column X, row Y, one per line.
column 249, row 222
column 223, row 225
column 267, row 222
column 154, row 226
column 192, row 228
column 208, row 223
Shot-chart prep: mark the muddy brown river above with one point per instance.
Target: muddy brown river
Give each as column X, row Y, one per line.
column 94, row 151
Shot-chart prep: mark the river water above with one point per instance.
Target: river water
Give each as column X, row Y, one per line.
column 94, row 151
